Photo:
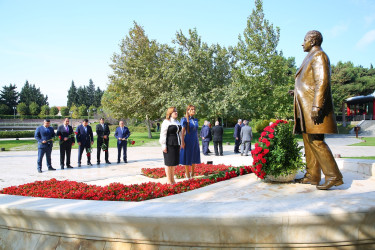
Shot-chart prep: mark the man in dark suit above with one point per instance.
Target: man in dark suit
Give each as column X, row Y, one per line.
column 122, row 134
column 44, row 135
column 206, row 137
column 217, row 137
column 102, row 131
column 237, row 136
column 66, row 135
column 314, row 114
column 85, row 138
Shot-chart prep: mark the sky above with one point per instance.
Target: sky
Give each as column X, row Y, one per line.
column 51, row 43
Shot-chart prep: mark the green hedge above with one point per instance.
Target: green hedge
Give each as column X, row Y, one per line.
column 16, row 134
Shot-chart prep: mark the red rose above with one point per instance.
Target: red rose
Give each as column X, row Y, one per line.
column 263, row 134
column 265, row 151
column 133, row 142
column 271, row 136
column 263, row 160
column 76, row 133
column 274, row 125
column 256, row 145
column 264, row 140
column 88, row 154
column 60, row 137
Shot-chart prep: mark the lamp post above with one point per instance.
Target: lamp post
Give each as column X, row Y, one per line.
column 71, row 113
column 88, row 114
column 14, row 108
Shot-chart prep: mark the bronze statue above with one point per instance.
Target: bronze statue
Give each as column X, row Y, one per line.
column 313, row 113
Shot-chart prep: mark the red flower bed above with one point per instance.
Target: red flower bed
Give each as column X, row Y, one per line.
column 200, row 169
column 116, row 191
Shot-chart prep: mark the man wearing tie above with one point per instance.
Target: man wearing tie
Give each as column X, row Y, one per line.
column 122, row 134
column 65, row 133
column 85, row 139
column 102, row 131
column 44, row 135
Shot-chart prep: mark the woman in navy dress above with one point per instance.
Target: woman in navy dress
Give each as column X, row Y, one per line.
column 190, row 153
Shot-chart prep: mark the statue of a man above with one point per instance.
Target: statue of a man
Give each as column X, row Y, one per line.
column 313, row 113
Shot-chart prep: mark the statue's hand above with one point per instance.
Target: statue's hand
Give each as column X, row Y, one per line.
column 315, row 114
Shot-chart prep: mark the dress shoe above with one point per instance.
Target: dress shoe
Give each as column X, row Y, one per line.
column 89, row 164
column 126, row 161
column 69, row 166
column 118, row 162
column 107, row 162
column 79, row 165
column 39, row 170
column 98, row 163
column 51, row 168
column 241, row 154
column 62, row 167
column 305, row 180
column 329, row 184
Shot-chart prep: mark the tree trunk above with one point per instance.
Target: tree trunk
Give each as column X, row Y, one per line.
column 343, row 115
column 148, row 127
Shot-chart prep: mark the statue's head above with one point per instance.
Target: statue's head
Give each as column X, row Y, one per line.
column 315, row 37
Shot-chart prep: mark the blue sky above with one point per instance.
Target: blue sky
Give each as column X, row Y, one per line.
column 51, row 43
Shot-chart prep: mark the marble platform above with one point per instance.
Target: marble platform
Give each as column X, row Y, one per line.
column 241, row 213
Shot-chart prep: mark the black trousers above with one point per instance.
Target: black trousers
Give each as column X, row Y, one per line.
column 237, row 144
column 99, row 149
column 65, row 149
column 218, row 144
column 80, row 151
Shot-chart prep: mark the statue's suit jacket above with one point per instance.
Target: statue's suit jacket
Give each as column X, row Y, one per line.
column 313, row 88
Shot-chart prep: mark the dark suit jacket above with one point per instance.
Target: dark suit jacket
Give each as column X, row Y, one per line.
column 217, row 133
column 206, row 133
column 313, row 88
column 44, row 134
column 119, row 134
column 100, row 132
column 84, row 138
column 61, row 131
column 237, row 131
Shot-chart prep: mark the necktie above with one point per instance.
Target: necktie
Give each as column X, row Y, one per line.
column 67, row 129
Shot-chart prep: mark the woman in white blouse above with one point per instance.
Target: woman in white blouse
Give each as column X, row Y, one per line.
column 170, row 143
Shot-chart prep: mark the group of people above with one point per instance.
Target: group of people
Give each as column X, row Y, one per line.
column 84, row 136
column 243, row 135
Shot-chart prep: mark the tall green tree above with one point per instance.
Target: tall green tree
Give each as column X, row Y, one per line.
column 72, row 95
column 29, row 93
column 34, row 108
column 98, row 97
column 9, row 97
column 260, row 74
column 137, row 78
column 82, row 96
column 90, row 93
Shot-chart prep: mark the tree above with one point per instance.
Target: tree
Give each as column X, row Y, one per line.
column 29, row 93
column 98, row 97
column 82, row 110
column 54, row 111
column 9, row 97
column 90, row 93
column 72, row 95
column 22, row 109
column 34, row 108
column 260, row 75
column 82, row 96
column 74, row 111
column 4, row 109
column 44, row 111
column 64, row 111
column 137, row 78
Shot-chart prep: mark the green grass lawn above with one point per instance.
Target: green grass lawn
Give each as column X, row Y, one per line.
column 13, row 144
column 370, row 141
column 362, row 157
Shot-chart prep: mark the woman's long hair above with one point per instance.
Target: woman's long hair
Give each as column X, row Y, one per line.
column 187, row 116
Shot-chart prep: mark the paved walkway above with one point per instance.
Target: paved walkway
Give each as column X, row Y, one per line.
column 19, row 167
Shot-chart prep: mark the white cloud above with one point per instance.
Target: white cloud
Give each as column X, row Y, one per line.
column 337, row 30
column 367, row 39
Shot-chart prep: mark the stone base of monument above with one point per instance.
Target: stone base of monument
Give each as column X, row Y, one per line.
column 243, row 212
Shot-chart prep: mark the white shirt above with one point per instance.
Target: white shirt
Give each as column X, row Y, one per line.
column 164, row 130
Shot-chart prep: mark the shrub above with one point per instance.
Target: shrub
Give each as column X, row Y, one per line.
column 44, row 111
column 54, row 111
column 4, row 109
column 64, row 111
column 16, row 134
column 34, row 108
column 22, row 109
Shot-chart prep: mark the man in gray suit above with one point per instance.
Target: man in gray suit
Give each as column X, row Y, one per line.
column 246, row 136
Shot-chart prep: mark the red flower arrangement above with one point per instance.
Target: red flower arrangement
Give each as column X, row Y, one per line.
column 277, row 152
column 115, row 191
column 262, row 148
column 200, row 169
